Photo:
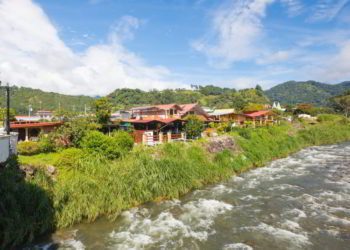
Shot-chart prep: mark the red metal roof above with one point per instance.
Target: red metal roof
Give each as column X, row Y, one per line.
column 34, row 124
column 258, row 113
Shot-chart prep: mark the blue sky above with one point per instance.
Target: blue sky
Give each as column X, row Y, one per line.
column 95, row 46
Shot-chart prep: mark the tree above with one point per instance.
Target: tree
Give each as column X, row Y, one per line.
column 194, row 126
column 342, row 103
column 250, row 107
column 103, row 109
column 3, row 114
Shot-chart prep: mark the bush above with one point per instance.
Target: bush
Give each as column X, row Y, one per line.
column 329, row 118
column 69, row 158
column 28, row 148
column 124, row 140
column 46, row 144
column 194, row 126
column 111, row 147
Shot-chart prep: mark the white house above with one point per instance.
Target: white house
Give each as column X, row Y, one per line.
column 8, row 145
column 277, row 105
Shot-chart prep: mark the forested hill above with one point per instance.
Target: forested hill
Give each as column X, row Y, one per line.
column 210, row 96
column 306, row 92
column 22, row 97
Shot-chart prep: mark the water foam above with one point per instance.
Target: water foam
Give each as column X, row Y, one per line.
column 194, row 222
column 237, row 246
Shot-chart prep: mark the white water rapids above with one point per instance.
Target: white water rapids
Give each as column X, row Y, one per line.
column 300, row 202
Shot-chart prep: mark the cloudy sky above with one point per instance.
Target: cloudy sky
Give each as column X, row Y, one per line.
column 95, row 46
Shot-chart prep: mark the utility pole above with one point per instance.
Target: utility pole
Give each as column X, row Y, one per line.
column 8, row 109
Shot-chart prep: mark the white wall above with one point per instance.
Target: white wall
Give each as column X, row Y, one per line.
column 4, row 148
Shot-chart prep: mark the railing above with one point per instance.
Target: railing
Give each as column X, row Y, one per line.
column 176, row 136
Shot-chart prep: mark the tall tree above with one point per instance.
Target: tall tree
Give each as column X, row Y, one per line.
column 103, row 109
column 342, row 103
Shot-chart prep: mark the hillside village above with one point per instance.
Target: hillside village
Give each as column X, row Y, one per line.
column 159, row 123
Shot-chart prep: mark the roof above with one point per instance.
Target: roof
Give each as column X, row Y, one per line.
column 44, row 111
column 162, row 107
column 258, row 113
column 222, row 112
column 187, row 107
column 144, row 121
column 34, row 124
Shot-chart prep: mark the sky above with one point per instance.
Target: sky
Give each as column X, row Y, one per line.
column 93, row 47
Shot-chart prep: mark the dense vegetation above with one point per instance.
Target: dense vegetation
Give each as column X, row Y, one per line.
column 88, row 185
column 22, row 97
column 306, row 92
column 210, row 96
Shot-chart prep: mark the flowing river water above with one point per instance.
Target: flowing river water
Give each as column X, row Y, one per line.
column 299, row 202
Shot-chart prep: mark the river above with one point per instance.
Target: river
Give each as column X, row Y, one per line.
column 299, row 202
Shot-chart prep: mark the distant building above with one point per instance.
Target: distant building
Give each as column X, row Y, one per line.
column 45, row 114
column 26, row 118
column 120, row 115
column 223, row 114
column 277, row 105
column 31, row 130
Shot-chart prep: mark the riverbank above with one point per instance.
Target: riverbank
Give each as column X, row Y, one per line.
column 85, row 187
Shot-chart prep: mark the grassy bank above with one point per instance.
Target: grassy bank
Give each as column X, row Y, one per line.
column 87, row 186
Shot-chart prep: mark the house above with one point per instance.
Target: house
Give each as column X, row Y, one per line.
column 45, row 114
column 262, row 117
column 194, row 109
column 31, row 130
column 26, row 118
column 156, row 112
column 152, row 131
column 223, row 114
column 8, row 145
column 120, row 115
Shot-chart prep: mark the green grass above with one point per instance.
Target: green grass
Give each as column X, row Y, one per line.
column 89, row 186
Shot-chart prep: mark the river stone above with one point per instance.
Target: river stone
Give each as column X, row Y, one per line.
column 28, row 170
column 220, row 143
column 51, row 169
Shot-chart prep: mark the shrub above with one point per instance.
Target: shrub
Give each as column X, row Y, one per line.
column 69, row 158
column 194, row 126
column 28, row 148
column 46, row 144
column 329, row 118
column 124, row 140
column 111, row 147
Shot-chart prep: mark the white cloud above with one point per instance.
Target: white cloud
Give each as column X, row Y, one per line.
column 275, row 57
column 327, row 9
column 294, row 7
column 336, row 67
column 237, row 27
column 33, row 55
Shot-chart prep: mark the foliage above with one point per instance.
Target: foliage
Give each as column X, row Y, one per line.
column 28, row 148
column 342, row 103
column 111, row 147
column 194, row 126
column 91, row 186
column 103, row 109
column 22, row 97
column 69, row 158
column 72, row 131
column 124, row 140
column 306, row 92
column 26, row 209
column 3, row 114
column 250, row 107
column 205, row 95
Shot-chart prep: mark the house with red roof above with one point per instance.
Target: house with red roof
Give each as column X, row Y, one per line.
column 262, row 117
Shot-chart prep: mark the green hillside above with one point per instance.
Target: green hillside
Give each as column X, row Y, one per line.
column 210, row 96
column 22, row 97
column 293, row 92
